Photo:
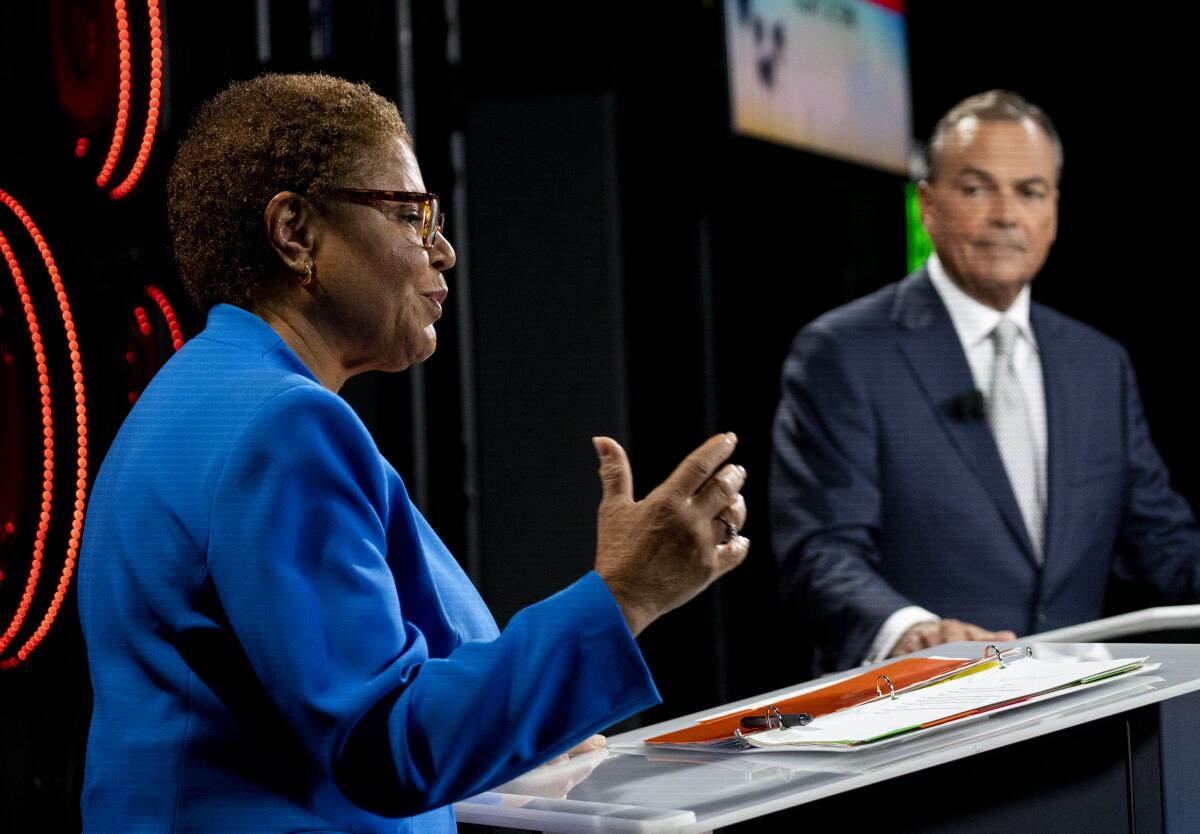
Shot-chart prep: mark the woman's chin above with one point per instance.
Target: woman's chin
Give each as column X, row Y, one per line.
column 430, row 344
column 412, row 353
column 419, row 353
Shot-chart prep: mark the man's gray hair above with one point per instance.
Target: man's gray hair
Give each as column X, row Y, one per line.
column 992, row 106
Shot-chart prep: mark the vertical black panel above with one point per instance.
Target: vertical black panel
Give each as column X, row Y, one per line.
column 548, row 333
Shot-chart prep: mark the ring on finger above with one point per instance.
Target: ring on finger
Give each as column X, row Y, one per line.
column 731, row 529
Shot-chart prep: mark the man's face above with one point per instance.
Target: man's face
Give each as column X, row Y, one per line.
column 992, row 207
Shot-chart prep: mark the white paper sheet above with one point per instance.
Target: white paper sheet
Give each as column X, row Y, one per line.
column 1022, row 679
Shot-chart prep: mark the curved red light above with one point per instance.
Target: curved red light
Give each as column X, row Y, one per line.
column 81, row 470
column 143, row 320
column 39, row 357
column 152, row 110
column 168, row 313
column 124, row 63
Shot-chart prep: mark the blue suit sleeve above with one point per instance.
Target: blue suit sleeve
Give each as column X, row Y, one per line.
column 825, row 501
column 1157, row 525
column 299, row 553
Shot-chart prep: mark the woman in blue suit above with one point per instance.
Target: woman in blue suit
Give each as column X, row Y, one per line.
column 277, row 639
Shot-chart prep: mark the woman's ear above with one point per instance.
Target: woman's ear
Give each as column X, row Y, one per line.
column 291, row 224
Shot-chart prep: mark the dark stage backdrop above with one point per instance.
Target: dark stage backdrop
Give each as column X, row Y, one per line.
column 626, row 267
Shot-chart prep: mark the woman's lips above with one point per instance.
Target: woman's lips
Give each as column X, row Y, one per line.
column 436, row 299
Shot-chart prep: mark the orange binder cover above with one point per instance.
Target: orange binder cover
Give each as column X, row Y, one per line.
column 903, row 674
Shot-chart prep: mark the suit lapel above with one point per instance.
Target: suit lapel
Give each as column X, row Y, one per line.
column 931, row 347
column 1063, row 446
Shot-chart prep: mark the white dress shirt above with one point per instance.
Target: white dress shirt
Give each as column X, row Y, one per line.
column 974, row 323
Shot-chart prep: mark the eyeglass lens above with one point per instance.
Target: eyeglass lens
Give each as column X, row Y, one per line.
column 434, row 221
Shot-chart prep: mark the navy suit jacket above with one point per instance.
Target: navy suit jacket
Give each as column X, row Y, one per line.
column 886, row 491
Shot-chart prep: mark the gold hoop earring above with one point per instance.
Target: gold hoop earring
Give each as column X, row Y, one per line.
column 307, row 276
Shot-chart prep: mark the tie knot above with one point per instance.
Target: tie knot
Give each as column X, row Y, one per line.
column 1004, row 336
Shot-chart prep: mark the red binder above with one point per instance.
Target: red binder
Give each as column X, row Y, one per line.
column 882, row 682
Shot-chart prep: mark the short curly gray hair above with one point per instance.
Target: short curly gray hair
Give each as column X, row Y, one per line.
column 302, row 133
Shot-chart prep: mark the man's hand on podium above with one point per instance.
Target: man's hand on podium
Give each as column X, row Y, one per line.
column 935, row 632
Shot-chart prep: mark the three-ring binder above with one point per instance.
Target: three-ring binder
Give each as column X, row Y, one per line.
column 889, row 681
column 959, row 695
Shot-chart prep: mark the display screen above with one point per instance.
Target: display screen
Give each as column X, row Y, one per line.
column 829, row 76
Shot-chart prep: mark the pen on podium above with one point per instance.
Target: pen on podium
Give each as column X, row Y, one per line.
column 774, row 719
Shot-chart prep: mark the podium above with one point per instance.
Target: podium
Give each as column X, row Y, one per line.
column 1126, row 760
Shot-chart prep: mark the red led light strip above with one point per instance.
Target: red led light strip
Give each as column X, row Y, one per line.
column 81, row 471
column 39, row 358
column 156, row 65
column 168, row 313
column 124, row 64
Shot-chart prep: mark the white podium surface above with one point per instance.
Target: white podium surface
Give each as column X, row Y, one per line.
column 1163, row 618
column 644, row 789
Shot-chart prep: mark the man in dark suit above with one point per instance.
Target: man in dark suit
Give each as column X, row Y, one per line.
column 952, row 461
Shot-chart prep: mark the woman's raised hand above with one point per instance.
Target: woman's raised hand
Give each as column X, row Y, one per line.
column 658, row 553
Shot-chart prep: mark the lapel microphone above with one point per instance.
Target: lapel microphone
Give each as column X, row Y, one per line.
column 968, row 407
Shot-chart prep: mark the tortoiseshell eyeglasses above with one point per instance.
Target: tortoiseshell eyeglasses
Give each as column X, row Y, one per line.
column 431, row 217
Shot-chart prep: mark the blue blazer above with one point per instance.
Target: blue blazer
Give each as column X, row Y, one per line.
column 887, row 488
column 277, row 639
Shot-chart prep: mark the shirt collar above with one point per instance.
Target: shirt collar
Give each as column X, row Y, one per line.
column 243, row 329
column 973, row 320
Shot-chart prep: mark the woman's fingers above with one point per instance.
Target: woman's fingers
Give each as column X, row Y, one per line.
column 596, row 742
column 730, row 521
column 720, row 492
column 732, row 553
column 690, row 475
column 616, row 480
column 735, row 514
column 657, row 553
